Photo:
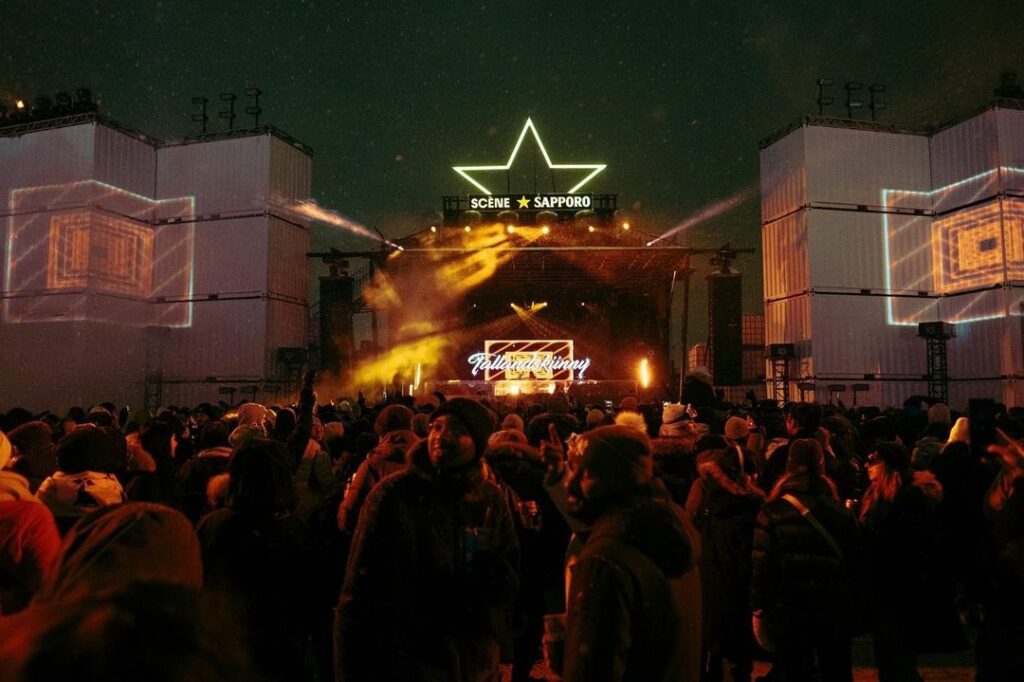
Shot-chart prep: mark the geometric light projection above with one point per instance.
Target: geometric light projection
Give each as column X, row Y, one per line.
column 961, row 251
column 109, row 254
column 969, row 247
column 88, row 250
column 465, row 171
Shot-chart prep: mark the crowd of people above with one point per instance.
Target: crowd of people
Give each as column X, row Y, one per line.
column 455, row 538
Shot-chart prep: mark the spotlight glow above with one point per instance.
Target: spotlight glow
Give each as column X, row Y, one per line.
column 644, row 372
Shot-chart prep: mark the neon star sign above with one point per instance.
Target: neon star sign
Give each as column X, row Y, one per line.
column 594, row 168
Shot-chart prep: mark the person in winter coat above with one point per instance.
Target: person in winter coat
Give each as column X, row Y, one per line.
column 212, row 460
column 35, row 452
column 543, row 537
column 89, row 459
column 432, row 572
column 802, row 421
column 675, row 457
column 634, row 599
column 804, row 576
column 394, row 427
column 255, row 559
column 912, row 609
column 1000, row 646
column 122, row 603
column 724, row 504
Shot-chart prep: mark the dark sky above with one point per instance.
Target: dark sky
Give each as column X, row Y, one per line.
column 673, row 96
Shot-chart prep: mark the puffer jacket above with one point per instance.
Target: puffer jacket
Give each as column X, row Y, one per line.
column 797, row 578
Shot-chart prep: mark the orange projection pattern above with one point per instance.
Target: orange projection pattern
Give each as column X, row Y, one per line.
column 69, row 244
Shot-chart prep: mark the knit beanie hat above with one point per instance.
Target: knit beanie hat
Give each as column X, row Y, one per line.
column 894, row 455
column 393, row 418
column 805, row 454
column 474, row 416
column 513, row 422
column 736, row 428
column 939, row 414
column 617, row 455
column 594, row 418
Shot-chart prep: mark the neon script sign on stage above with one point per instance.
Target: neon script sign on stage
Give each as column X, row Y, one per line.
column 511, row 360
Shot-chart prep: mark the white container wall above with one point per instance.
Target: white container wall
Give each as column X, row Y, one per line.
column 852, row 337
column 60, row 364
column 229, row 256
column 965, row 163
column 924, row 237
column 852, row 167
column 287, row 245
column 291, row 174
column 850, row 251
column 226, row 177
column 227, row 339
column 1010, row 126
column 286, row 328
column 784, row 254
column 783, row 177
column 124, row 161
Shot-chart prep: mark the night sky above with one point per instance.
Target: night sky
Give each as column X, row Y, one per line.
column 673, row 96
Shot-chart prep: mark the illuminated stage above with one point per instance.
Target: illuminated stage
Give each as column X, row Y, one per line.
column 530, row 266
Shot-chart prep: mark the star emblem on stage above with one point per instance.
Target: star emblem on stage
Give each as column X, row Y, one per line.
column 594, row 168
column 523, row 202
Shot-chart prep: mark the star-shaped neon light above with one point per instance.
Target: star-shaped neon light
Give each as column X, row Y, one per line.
column 523, row 202
column 594, row 168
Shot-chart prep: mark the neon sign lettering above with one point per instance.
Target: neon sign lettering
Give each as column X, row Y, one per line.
column 527, row 360
column 541, row 366
column 594, row 168
column 531, row 203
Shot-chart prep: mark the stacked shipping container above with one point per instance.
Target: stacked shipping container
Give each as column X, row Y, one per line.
column 856, row 241
column 178, row 263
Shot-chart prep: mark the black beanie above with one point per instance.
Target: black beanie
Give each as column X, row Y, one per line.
column 476, row 418
column 618, row 455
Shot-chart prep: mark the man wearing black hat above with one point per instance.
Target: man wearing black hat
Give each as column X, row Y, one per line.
column 432, row 572
column 634, row 601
